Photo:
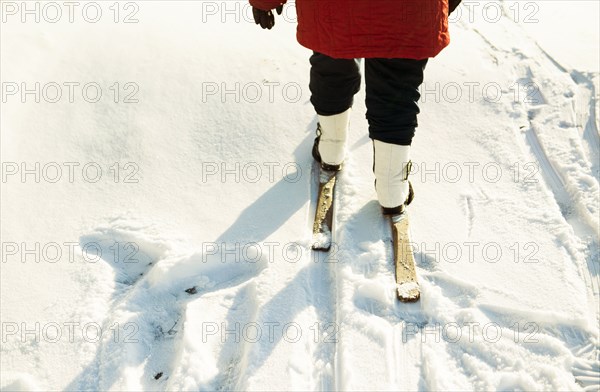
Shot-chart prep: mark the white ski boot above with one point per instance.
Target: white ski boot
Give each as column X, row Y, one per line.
column 329, row 148
column 392, row 167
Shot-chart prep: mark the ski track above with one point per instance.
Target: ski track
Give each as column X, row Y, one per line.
column 469, row 200
column 566, row 200
column 234, row 354
column 367, row 304
column 543, row 111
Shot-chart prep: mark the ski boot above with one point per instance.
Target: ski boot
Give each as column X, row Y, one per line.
column 392, row 167
column 329, row 148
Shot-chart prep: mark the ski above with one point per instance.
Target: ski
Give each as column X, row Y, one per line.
column 407, row 286
column 323, row 223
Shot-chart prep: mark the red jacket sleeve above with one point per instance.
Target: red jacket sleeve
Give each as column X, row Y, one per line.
column 266, row 5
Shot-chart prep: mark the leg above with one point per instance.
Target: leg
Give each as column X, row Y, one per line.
column 392, row 95
column 333, row 84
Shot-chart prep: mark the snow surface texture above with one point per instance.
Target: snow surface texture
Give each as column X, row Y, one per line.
column 199, row 274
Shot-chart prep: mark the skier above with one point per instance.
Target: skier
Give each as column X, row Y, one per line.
column 396, row 38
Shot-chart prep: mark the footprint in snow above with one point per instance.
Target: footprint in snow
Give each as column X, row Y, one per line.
column 154, row 283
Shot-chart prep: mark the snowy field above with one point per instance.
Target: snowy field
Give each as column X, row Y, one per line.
column 157, row 201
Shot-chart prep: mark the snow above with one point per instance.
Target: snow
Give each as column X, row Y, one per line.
column 322, row 240
column 208, row 190
column 406, row 290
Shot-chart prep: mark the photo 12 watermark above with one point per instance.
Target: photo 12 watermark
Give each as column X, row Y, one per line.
column 474, row 172
column 494, row 11
column 69, row 251
column 52, row 12
column 68, row 331
column 490, row 252
column 240, row 11
column 455, row 332
column 251, row 92
column 490, row 92
column 250, row 172
column 269, row 251
column 69, row 92
column 70, row 172
column 269, row 331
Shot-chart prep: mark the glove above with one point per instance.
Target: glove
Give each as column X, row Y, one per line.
column 452, row 4
column 266, row 19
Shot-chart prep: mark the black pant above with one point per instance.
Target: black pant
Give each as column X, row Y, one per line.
column 392, row 92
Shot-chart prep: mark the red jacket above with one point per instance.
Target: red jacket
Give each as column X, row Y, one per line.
column 415, row 29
